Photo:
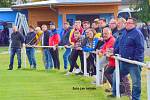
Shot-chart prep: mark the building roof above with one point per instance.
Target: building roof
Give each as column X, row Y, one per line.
column 63, row 2
column 5, row 9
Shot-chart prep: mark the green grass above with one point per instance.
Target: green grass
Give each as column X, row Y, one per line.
column 39, row 84
column 2, row 49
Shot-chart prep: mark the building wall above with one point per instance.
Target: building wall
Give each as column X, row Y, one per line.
column 69, row 12
column 40, row 15
column 93, row 9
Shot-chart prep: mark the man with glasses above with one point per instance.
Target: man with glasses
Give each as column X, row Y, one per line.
column 131, row 46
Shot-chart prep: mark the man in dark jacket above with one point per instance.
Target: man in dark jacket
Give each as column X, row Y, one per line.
column 131, row 47
column 125, row 84
column 16, row 43
column 113, row 26
column 45, row 42
column 65, row 42
column 30, row 51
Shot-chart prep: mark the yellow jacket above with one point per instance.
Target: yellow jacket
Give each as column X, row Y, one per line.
column 39, row 38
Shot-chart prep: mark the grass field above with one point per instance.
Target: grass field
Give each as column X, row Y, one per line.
column 2, row 49
column 26, row 84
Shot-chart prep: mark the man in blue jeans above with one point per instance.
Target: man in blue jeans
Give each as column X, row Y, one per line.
column 17, row 40
column 65, row 42
column 30, row 51
column 45, row 42
column 131, row 46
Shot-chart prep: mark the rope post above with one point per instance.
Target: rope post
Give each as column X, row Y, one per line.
column 97, row 71
column 85, row 64
column 117, row 77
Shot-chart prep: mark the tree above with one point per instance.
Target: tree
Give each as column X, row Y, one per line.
column 142, row 9
column 5, row 3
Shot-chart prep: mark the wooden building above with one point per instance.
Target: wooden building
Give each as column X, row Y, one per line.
column 60, row 11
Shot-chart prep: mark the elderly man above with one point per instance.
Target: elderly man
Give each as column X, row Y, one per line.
column 131, row 46
column 109, row 43
column 17, row 41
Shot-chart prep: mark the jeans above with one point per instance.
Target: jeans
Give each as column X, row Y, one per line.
column 65, row 57
column 31, row 57
column 135, row 73
column 47, row 59
column 55, row 57
column 12, row 54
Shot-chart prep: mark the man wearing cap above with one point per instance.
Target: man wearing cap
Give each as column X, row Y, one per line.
column 53, row 41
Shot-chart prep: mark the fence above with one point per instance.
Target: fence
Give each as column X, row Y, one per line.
column 99, row 74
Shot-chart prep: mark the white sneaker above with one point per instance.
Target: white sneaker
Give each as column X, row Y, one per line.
column 77, row 71
column 68, row 73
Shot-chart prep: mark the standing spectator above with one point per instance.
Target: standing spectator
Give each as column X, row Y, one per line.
column 98, row 25
column 131, row 46
column 113, row 26
column 90, row 46
column 145, row 31
column 76, row 51
column 17, row 42
column 86, row 25
column 53, row 41
column 149, row 30
column 77, row 27
column 104, row 60
column 45, row 42
column 39, row 34
column 66, row 43
column 102, row 24
column 124, row 84
column 95, row 25
column 29, row 40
